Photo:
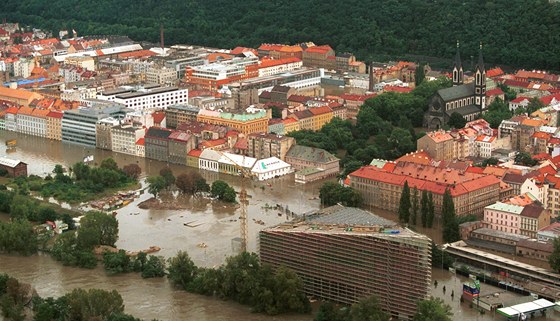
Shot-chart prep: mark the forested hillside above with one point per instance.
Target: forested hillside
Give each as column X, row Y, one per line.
column 515, row 32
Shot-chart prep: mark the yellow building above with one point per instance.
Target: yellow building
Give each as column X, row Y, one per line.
column 321, row 116
column 290, row 125
column 18, row 96
column 54, row 125
column 245, row 123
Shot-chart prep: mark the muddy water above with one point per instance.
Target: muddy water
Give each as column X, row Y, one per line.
column 208, row 238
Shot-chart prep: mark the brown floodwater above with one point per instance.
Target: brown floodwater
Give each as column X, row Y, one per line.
column 208, row 238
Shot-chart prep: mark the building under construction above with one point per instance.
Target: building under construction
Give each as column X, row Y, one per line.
column 345, row 254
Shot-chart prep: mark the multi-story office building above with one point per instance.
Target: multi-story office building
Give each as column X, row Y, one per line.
column 79, row 125
column 345, row 254
column 147, row 97
column 300, row 78
column 215, row 75
column 161, row 76
column 180, row 114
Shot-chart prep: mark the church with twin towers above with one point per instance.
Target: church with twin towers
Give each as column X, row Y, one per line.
column 469, row 100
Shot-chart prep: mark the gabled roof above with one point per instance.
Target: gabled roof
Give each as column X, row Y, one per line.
column 194, row 153
column 140, row 141
column 158, row 132
column 494, row 92
column 315, row 155
column 456, row 92
column 495, row 72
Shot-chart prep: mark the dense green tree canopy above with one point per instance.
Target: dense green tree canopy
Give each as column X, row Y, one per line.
column 522, row 35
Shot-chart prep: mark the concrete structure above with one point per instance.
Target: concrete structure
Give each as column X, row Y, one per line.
column 270, row 168
column 305, row 159
column 124, row 138
column 161, row 76
column 79, row 125
column 146, row 98
column 300, row 79
column 549, row 233
column 14, row 167
column 156, row 143
column 180, row 144
column 84, row 62
column 271, row 67
column 215, row 75
column 345, row 254
column 382, row 187
column 103, row 132
column 178, row 114
column 262, row 145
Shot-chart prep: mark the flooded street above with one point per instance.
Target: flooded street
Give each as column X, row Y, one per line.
column 208, row 238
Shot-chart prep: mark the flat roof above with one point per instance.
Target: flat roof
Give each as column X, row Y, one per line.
column 146, row 92
column 527, row 307
column 339, row 214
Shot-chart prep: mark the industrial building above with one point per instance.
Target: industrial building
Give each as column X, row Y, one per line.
column 345, row 254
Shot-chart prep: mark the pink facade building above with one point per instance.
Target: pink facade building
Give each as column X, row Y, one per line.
column 503, row 217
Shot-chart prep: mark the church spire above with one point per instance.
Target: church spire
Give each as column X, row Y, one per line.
column 480, row 63
column 457, row 68
column 480, row 83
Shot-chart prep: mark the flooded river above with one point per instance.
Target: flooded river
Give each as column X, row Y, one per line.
column 209, row 241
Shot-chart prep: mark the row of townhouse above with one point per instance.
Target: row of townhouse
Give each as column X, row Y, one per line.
column 476, row 139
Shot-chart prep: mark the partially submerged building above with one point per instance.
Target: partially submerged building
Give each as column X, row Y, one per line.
column 345, row 254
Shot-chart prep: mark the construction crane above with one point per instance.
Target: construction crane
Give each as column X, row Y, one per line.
column 243, row 199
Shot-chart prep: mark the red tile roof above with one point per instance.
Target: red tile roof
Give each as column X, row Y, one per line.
column 194, row 153
column 494, row 92
column 55, row 114
column 516, row 83
column 548, row 99
column 397, row 89
column 319, row 49
column 491, row 73
column 140, row 142
column 265, row 63
column 519, row 99
column 320, row 110
column 158, row 117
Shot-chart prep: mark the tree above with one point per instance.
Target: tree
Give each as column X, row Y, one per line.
column 368, row 309
column 181, row 270
column 424, row 209
column 167, row 174
column 525, row 159
column 433, row 309
column 132, row 170
column 156, row 184
column 332, row 193
column 104, row 227
column 490, row 161
column 414, row 207
column 534, row 105
column 223, row 191
column 419, row 74
column 554, row 258
column 431, row 211
column 154, row 267
column 93, row 304
column 450, row 225
column 498, row 110
column 109, row 163
column 404, row 205
column 191, row 183
column 456, row 120
column 18, row 236
column 117, row 262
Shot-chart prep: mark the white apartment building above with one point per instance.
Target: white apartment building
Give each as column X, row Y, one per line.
column 124, row 138
column 278, row 66
column 78, row 94
column 23, row 67
column 145, row 99
column 161, row 76
column 225, row 69
column 83, row 62
column 32, row 121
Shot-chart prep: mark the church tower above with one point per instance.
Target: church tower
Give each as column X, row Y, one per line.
column 457, row 69
column 480, row 83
